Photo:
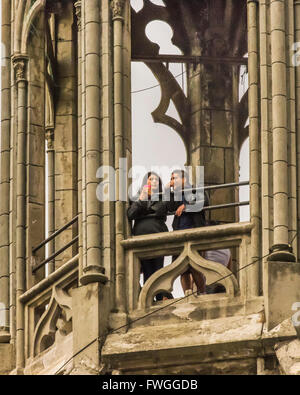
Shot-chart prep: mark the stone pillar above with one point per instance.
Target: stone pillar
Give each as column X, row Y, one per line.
column 51, row 194
column 127, row 138
column 281, row 251
column 281, row 274
column 5, row 171
column 266, row 125
column 292, row 141
column 211, row 141
column 107, row 144
column 118, row 21
column 77, row 6
column 93, row 269
column 297, row 71
column 89, row 326
column 255, row 154
column 20, row 65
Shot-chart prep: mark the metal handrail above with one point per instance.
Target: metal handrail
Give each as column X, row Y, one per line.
column 56, row 233
column 206, row 188
column 55, row 254
column 211, row 187
column 35, row 265
column 227, row 205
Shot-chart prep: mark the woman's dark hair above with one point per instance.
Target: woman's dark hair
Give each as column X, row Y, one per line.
column 145, row 181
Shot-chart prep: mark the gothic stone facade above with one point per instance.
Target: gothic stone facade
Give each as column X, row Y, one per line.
column 66, row 103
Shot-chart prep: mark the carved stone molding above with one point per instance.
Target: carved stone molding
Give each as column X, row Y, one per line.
column 20, row 67
column 77, row 6
column 117, row 7
column 164, row 278
column 50, row 138
column 57, row 317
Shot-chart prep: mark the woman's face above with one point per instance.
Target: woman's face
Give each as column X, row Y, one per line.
column 153, row 181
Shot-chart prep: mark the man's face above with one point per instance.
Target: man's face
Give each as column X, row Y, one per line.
column 177, row 181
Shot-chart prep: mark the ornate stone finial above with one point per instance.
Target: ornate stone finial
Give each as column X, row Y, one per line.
column 77, row 6
column 117, row 7
column 19, row 64
column 50, row 138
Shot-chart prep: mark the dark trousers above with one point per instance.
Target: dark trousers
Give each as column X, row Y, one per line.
column 150, row 266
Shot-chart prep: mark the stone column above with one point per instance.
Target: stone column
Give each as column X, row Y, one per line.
column 211, row 129
column 255, row 154
column 297, row 70
column 118, row 21
column 107, row 143
column 77, row 6
column 20, row 66
column 93, row 269
column 266, row 134
column 281, row 251
column 51, row 194
column 5, row 171
column 292, row 141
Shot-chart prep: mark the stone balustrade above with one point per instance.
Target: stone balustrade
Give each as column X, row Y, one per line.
column 186, row 245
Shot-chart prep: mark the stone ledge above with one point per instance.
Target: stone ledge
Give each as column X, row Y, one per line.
column 196, row 308
column 172, row 347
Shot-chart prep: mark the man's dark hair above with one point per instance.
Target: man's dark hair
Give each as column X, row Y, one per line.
column 182, row 173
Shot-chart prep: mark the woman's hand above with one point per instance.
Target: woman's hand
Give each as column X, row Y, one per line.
column 180, row 210
column 145, row 192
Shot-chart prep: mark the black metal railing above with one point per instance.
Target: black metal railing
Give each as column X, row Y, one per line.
column 36, row 264
column 208, row 188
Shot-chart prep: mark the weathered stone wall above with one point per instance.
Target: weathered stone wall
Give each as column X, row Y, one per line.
column 35, row 173
column 7, row 358
column 65, row 133
column 212, row 135
column 288, row 354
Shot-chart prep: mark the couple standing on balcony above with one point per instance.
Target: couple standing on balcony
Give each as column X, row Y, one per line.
column 149, row 211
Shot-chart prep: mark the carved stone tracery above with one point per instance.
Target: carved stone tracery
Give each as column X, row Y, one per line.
column 195, row 33
column 163, row 279
column 57, row 317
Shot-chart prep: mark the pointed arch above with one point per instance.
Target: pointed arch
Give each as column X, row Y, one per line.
column 38, row 6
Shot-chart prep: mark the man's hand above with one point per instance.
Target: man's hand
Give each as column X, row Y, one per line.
column 169, row 185
column 180, row 210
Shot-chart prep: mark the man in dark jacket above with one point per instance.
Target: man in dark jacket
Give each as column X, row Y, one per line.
column 186, row 202
column 187, row 205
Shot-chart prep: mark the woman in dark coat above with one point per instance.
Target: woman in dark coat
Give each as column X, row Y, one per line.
column 149, row 213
